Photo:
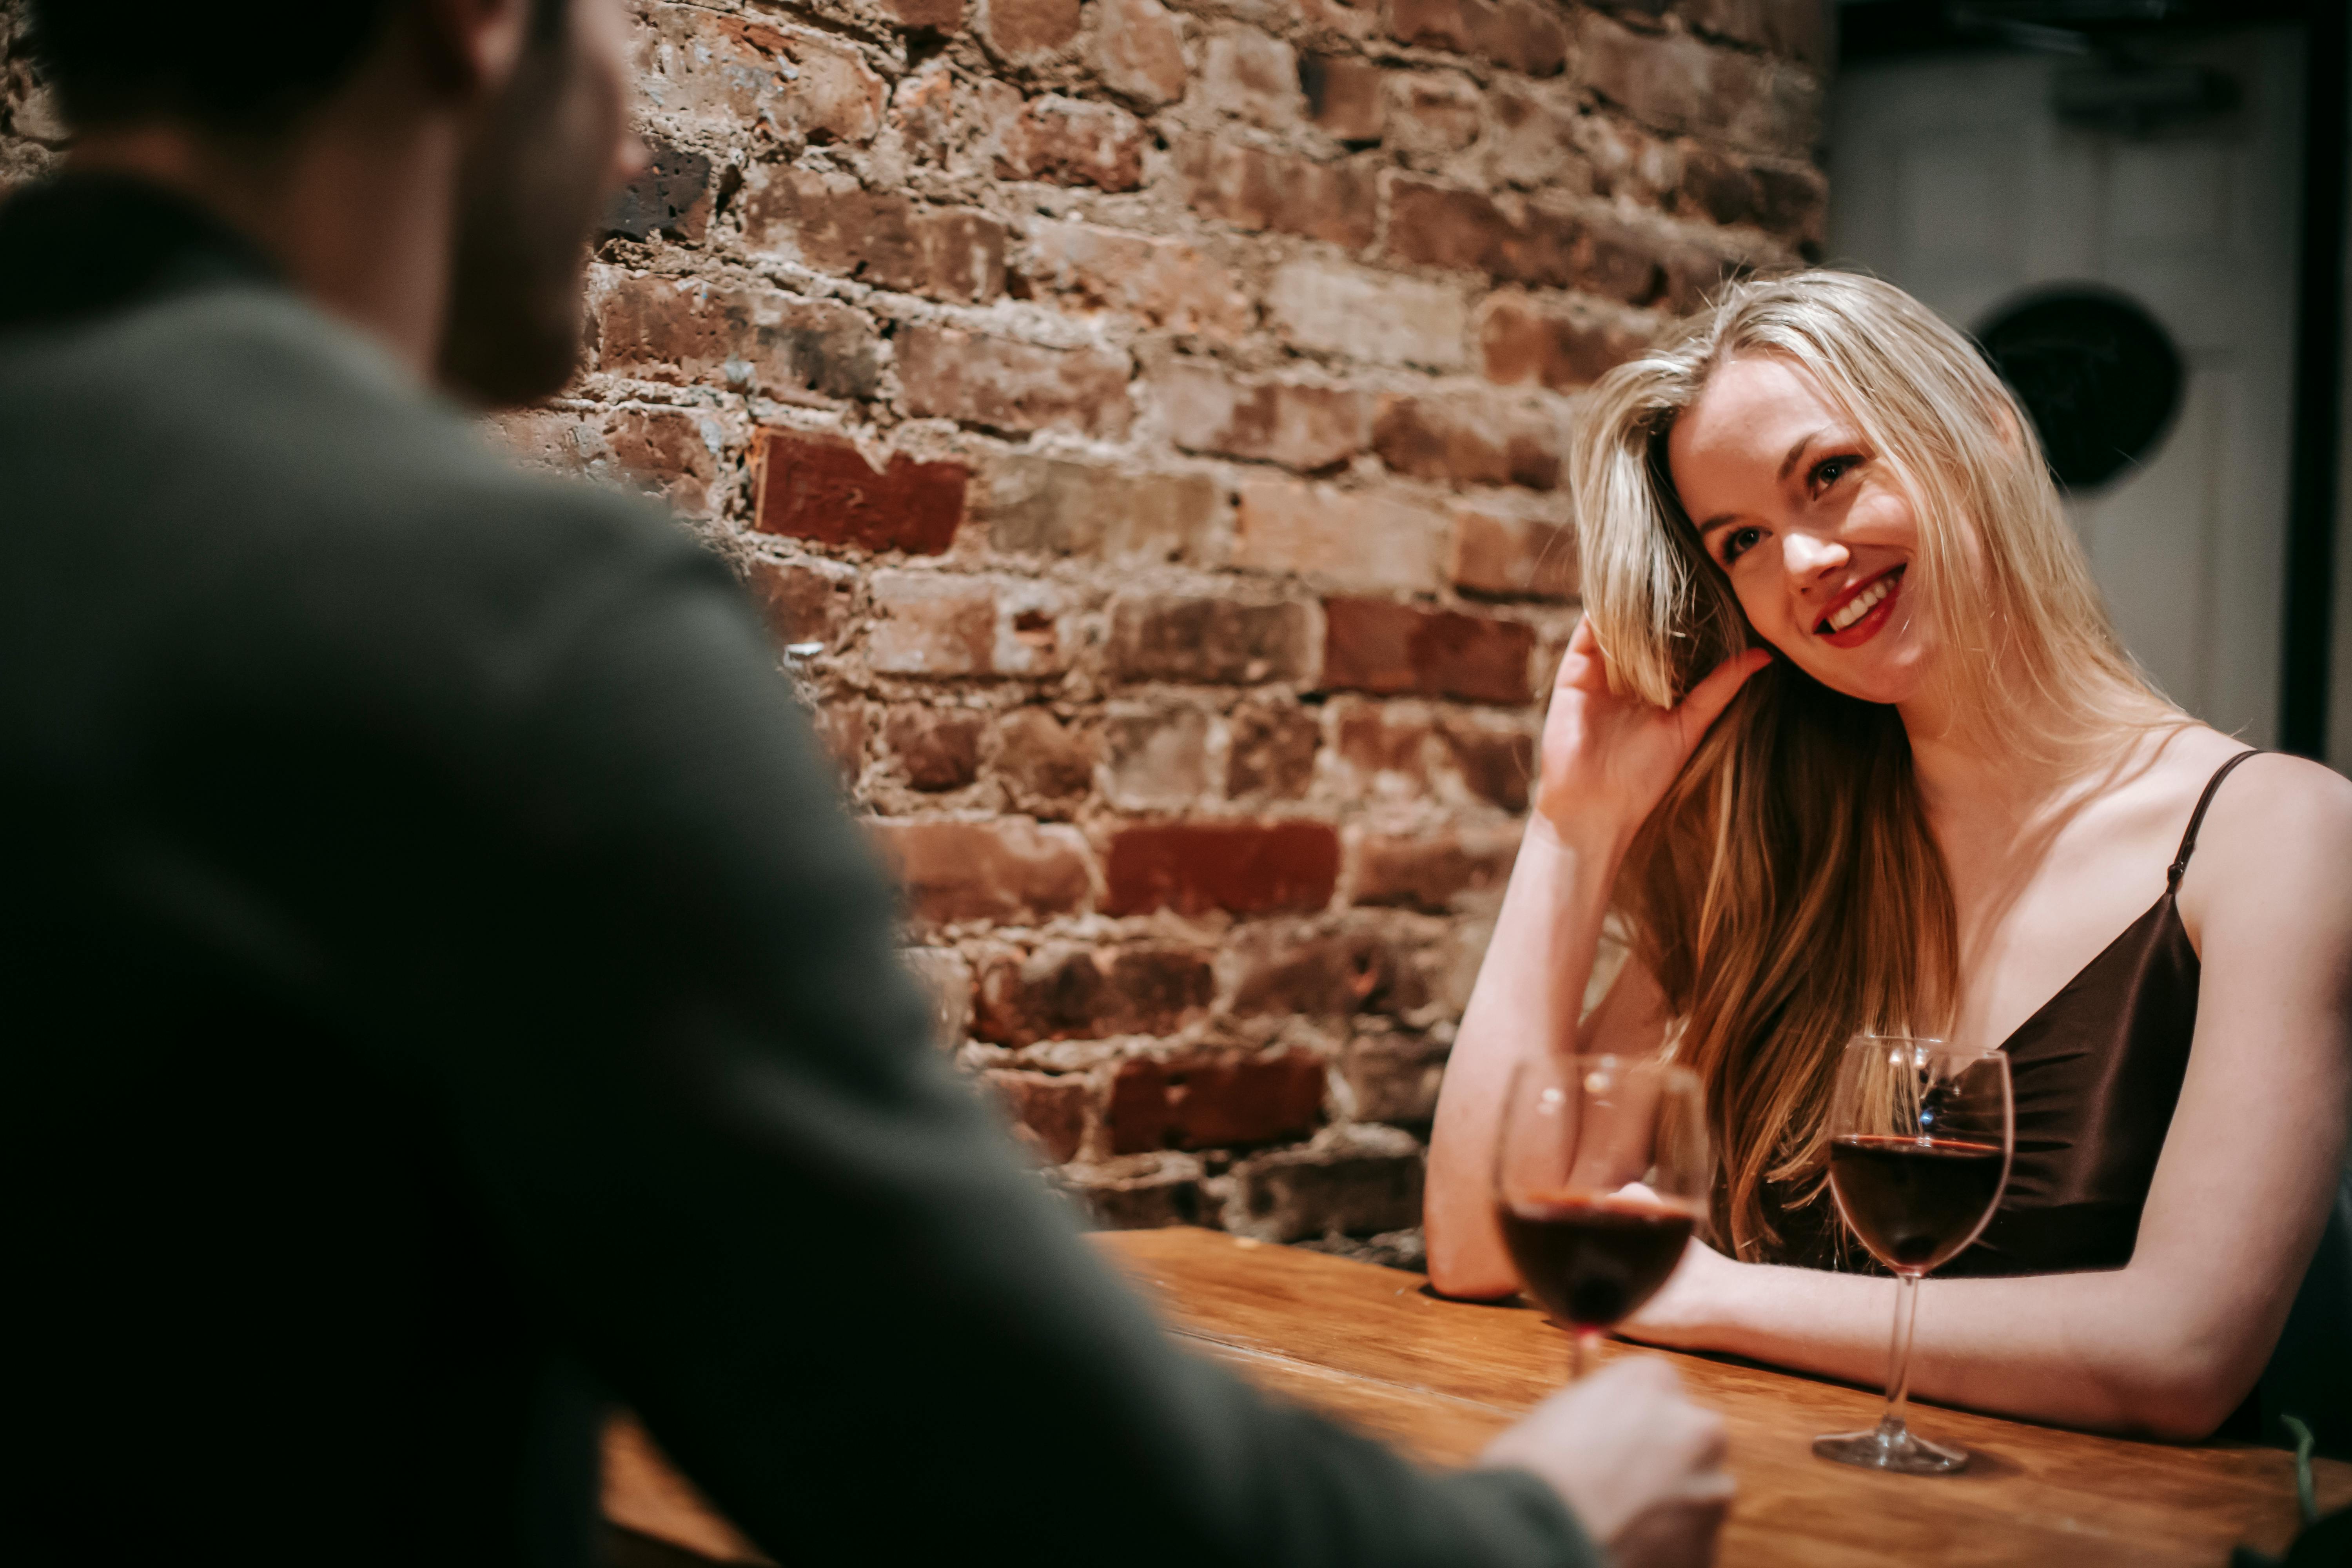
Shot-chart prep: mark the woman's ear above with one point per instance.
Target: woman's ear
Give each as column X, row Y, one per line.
column 472, row 48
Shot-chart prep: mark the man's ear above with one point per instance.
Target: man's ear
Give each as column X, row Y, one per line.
column 471, row 48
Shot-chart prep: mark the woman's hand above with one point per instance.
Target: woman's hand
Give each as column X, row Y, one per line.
column 1608, row 760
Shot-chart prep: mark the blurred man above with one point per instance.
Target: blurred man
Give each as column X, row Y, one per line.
column 441, row 990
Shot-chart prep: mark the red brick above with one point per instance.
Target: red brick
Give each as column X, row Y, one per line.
column 1433, row 112
column 1246, row 868
column 1069, row 991
column 1158, row 759
column 1356, row 538
column 1327, row 975
column 1253, row 188
column 1344, row 96
column 1512, row 557
column 1166, row 281
column 940, row 626
column 1271, row 749
column 1514, row 241
column 1138, row 51
column 1393, row 1077
column 1008, row 870
column 1432, row 873
column 1298, row 424
column 1520, row 34
column 1048, row 506
column 1467, row 439
column 926, row 16
column 1388, row 753
column 1522, row 341
column 804, row 602
column 1020, row 29
column 1069, row 141
column 735, row 75
column 1495, row 764
column 1534, row 137
column 1048, row 763
column 938, row 748
column 740, row 336
column 1212, row 1102
column 830, row 223
column 824, row 488
column 1374, row 645
column 1048, row 1110
column 1680, row 83
column 1217, row 642
column 1252, row 77
column 672, row 196
column 1000, row 384
column 1361, row 314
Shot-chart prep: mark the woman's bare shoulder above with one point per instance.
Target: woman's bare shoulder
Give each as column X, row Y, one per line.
column 2282, row 825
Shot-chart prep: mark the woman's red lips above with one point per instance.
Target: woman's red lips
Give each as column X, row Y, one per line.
column 1856, row 633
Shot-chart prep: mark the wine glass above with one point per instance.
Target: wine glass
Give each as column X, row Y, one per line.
column 1601, row 1176
column 1920, row 1137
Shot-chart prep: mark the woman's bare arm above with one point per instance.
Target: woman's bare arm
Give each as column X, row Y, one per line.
column 2171, row 1344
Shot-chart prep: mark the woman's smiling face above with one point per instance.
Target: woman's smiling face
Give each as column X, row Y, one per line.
column 1805, row 518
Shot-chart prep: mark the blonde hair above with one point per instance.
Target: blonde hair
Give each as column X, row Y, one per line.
column 1787, row 893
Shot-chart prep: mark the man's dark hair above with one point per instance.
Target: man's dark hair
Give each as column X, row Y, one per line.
column 229, row 65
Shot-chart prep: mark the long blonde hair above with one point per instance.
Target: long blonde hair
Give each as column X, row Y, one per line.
column 1787, row 893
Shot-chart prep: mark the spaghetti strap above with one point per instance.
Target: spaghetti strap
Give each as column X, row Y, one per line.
column 2197, row 819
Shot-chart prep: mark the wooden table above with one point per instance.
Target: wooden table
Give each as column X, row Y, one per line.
column 1370, row 1347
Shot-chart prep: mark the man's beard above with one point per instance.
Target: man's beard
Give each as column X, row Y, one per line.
column 531, row 194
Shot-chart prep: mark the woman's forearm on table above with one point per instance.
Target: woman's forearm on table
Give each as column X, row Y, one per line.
column 1530, row 991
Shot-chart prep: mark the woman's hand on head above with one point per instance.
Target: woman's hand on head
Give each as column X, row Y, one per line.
column 1609, row 758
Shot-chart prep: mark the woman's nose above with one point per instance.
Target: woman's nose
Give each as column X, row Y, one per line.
column 1809, row 557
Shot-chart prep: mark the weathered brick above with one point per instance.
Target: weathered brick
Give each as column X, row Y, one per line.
column 805, row 601
column 1298, row 424
column 1511, row 557
column 1522, row 340
column 740, row 336
column 1678, row 82
column 945, row 977
column 1533, row 137
column 1796, row 28
column 1027, row 29
column 1068, row 991
column 1139, row 1193
column 1385, row 753
column 1157, row 760
column 1252, row 77
column 945, row 17
column 933, row 625
column 1048, row 506
column 1376, row 645
column 1048, row 1110
column 937, row 748
column 1515, row 241
column 1521, row 34
column 1069, row 141
column 1047, row 763
column 1166, row 281
column 822, row 488
column 1327, row 975
column 1393, row 1078
column 949, row 373
column 1433, row 112
column 1355, row 1180
column 1431, row 872
column 1214, row 1102
column 1253, row 188
column 1345, row 97
column 1138, row 51
column 1217, row 642
column 1271, row 749
column 843, row 728
column 1459, row 439
column 733, row 75
column 1496, row 764
column 831, row 222
column 673, row 196
column 1246, row 868
column 1356, row 538
column 1376, row 317
column 669, row 452
column 1007, row 869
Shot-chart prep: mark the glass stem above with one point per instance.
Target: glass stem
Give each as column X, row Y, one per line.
column 1580, row 1345
column 1898, row 1353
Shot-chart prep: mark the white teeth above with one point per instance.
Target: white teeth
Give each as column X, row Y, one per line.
column 1862, row 604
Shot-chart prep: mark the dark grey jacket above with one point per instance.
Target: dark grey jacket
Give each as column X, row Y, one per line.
column 442, row 993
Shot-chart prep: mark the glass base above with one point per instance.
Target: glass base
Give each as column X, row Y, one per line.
column 1891, row 1446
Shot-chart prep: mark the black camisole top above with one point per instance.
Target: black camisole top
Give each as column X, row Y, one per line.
column 2096, row 1073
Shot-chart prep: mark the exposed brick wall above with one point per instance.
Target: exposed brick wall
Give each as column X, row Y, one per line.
column 1155, row 413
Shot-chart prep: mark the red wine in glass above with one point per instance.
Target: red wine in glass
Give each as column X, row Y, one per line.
column 1600, row 1176
column 1920, row 1136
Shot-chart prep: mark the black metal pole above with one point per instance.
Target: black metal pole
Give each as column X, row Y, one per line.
column 2308, row 644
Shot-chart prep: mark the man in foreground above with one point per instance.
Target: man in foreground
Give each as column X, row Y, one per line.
column 444, row 994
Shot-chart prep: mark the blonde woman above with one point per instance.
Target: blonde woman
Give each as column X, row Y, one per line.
column 1845, row 741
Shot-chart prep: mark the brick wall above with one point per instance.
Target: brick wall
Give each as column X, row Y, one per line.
column 1153, row 415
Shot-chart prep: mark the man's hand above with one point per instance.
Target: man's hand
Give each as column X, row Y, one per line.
column 1639, row 1463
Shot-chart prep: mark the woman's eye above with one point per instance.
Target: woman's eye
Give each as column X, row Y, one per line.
column 1740, row 542
column 1830, row 470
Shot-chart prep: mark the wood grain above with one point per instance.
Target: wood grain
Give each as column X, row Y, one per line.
column 1372, row 1348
